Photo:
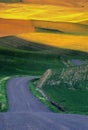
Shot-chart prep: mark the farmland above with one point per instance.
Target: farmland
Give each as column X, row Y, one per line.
column 70, row 22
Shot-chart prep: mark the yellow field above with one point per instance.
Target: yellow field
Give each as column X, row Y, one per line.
column 66, row 18
column 44, row 12
column 58, row 40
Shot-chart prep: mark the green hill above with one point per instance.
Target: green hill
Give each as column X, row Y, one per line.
column 18, row 56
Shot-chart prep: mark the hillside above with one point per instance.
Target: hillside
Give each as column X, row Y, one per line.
column 18, row 56
column 16, row 42
column 69, row 88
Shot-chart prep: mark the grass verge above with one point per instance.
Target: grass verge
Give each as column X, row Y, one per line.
column 39, row 96
column 3, row 97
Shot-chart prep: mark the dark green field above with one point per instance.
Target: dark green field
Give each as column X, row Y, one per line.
column 21, row 57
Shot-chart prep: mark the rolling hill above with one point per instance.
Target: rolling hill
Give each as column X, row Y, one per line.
column 18, row 56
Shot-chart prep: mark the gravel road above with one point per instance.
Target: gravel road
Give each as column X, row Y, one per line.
column 27, row 113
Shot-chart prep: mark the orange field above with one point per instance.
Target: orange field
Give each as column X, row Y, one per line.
column 12, row 27
column 71, row 3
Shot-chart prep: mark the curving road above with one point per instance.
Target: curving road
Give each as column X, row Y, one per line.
column 27, row 113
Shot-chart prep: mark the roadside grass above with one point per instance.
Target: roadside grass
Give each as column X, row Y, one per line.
column 39, row 96
column 73, row 101
column 3, row 95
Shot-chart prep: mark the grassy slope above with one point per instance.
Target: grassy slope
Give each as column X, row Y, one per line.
column 15, row 60
column 73, row 101
column 73, row 97
column 21, row 62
